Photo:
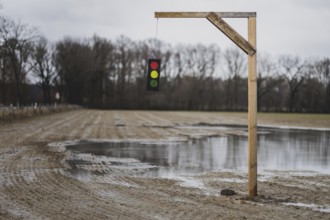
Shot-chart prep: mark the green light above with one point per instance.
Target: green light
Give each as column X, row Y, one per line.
column 154, row 74
column 153, row 83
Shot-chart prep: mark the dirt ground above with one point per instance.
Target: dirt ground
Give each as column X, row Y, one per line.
column 35, row 182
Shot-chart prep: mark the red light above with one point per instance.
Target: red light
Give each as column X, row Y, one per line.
column 154, row 65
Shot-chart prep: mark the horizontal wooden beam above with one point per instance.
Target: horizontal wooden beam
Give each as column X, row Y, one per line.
column 231, row 33
column 204, row 14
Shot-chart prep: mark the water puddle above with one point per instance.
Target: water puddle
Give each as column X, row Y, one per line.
column 278, row 149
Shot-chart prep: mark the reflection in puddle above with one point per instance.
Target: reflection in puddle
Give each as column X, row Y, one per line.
column 278, row 149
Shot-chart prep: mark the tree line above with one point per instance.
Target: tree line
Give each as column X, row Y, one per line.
column 101, row 73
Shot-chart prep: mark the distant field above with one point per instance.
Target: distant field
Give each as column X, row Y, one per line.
column 276, row 119
column 292, row 119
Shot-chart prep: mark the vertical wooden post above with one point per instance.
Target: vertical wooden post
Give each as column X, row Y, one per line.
column 252, row 108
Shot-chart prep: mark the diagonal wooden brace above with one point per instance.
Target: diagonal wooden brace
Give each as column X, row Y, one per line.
column 231, row 33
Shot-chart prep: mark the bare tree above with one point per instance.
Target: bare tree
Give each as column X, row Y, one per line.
column 196, row 65
column 17, row 44
column 322, row 70
column 103, row 64
column 267, row 83
column 235, row 65
column 74, row 64
column 123, row 54
column 6, row 76
column 43, row 68
column 293, row 71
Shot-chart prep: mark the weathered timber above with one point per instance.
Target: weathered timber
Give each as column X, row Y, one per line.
column 252, row 110
column 204, row 14
column 231, row 33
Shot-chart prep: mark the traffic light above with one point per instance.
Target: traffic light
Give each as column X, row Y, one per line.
column 153, row 74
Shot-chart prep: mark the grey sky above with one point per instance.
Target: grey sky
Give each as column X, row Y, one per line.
column 296, row 27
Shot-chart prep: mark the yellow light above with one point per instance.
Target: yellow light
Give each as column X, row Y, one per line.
column 154, row 74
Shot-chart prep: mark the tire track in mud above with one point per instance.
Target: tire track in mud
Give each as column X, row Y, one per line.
column 139, row 196
column 71, row 128
column 45, row 184
column 121, row 128
column 106, row 125
column 16, row 165
column 35, row 184
column 37, row 129
column 149, row 128
column 131, row 190
column 16, row 186
column 92, row 121
column 144, row 119
column 133, row 195
column 93, row 126
column 49, row 188
column 58, row 122
column 167, row 128
column 129, row 184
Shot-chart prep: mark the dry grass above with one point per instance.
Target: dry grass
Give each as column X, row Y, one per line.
column 11, row 114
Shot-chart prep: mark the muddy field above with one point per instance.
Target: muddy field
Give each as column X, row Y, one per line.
column 36, row 182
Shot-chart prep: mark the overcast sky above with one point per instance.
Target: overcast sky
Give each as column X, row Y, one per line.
column 296, row 27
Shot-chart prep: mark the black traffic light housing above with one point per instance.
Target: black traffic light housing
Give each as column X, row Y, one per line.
column 153, row 74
